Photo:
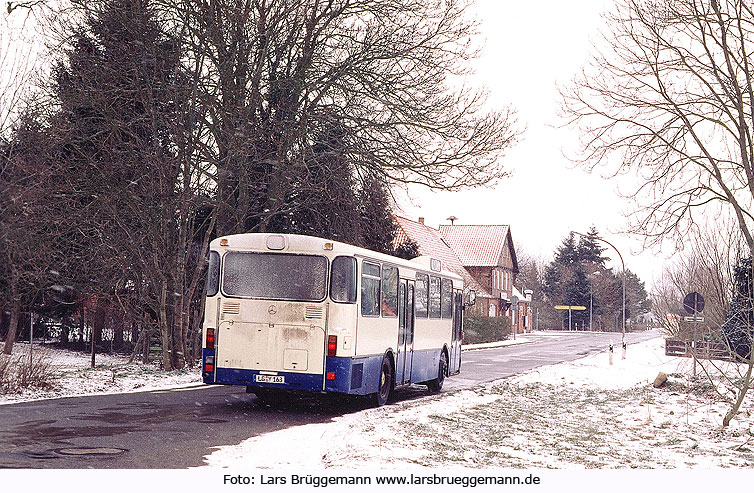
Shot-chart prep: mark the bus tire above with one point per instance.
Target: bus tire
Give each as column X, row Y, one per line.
column 435, row 385
column 385, row 384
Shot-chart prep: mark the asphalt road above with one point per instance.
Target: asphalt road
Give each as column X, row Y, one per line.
column 177, row 428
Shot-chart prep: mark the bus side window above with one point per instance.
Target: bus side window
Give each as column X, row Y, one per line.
column 447, row 298
column 370, row 289
column 434, row 297
column 422, row 290
column 389, row 291
column 343, row 280
column 213, row 274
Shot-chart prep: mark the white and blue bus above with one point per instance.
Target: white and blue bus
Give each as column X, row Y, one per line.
column 293, row 312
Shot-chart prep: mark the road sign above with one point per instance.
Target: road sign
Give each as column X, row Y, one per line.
column 693, row 303
column 571, row 307
column 514, row 302
column 694, row 319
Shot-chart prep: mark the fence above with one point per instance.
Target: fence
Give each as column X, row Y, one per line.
column 704, row 350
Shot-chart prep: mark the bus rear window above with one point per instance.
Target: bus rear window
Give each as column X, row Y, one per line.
column 275, row 276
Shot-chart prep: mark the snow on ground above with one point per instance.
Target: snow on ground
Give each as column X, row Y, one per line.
column 576, row 415
column 73, row 375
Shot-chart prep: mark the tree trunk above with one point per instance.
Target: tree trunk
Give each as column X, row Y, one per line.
column 742, row 388
column 15, row 312
column 100, row 313
column 165, row 332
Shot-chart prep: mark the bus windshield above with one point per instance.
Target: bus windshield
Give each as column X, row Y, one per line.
column 275, row 276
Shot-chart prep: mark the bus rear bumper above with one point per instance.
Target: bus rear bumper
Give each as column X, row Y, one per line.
column 251, row 378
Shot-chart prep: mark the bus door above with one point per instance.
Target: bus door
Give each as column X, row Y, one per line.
column 405, row 348
column 457, row 334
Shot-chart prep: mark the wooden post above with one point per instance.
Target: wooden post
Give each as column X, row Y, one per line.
column 611, row 354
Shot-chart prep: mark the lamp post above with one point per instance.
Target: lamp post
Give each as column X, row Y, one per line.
column 623, row 266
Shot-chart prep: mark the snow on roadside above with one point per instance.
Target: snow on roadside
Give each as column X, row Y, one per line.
column 577, row 415
column 73, row 375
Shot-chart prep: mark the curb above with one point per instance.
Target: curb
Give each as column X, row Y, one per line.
column 492, row 345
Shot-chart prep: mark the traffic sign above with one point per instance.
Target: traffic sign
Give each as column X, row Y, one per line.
column 693, row 303
column 514, row 302
column 694, row 319
column 571, row 307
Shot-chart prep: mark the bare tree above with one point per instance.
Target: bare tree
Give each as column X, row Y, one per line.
column 670, row 96
column 276, row 71
column 704, row 266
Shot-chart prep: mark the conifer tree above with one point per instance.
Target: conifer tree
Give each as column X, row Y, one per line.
column 739, row 323
column 589, row 249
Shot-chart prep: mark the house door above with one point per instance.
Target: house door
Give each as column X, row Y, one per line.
column 405, row 349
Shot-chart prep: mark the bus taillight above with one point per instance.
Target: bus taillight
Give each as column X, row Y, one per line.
column 210, row 339
column 332, row 345
column 209, row 364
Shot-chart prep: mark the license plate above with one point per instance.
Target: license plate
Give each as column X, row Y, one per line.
column 269, row 378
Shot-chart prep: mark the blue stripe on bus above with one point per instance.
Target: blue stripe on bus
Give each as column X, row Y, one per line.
column 353, row 375
column 293, row 381
column 424, row 367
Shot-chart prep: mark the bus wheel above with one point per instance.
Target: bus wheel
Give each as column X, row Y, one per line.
column 436, row 384
column 386, row 382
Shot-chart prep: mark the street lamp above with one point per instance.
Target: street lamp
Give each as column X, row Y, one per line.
column 623, row 266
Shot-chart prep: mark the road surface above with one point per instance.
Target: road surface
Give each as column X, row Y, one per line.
column 177, row 428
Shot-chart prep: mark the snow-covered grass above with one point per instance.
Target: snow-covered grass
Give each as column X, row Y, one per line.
column 73, row 375
column 577, row 415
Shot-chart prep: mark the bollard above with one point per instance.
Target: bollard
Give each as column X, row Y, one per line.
column 611, row 354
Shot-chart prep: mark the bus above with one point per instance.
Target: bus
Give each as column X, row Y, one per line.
column 287, row 312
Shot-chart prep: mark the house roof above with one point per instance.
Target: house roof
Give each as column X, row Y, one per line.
column 478, row 245
column 431, row 243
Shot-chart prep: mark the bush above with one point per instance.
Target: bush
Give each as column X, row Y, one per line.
column 485, row 329
column 17, row 374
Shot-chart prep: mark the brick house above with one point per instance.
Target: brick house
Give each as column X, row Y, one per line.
column 483, row 255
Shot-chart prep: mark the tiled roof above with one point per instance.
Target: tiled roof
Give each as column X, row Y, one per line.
column 431, row 243
column 476, row 246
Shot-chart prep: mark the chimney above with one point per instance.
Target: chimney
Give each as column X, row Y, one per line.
column 421, row 220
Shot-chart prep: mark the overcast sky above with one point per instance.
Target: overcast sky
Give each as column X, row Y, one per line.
column 530, row 47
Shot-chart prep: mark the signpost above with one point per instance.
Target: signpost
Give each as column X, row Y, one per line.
column 514, row 319
column 693, row 303
column 569, row 308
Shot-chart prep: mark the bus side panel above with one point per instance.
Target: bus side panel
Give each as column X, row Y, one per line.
column 430, row 337
column 358, row 376
column 375, row 335
column 426, row 364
